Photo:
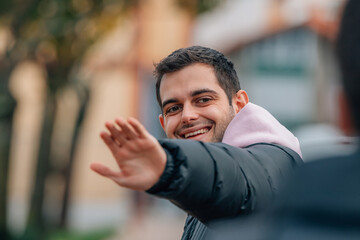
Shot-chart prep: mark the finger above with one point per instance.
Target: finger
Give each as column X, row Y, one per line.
column 138, row 127
column 107, row 172
column 127, row 129
column 117, row 134
column 104, row 171
column 110, row 142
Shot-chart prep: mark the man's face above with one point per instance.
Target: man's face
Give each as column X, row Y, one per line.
column 194, row 105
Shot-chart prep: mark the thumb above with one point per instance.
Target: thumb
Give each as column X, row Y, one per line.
column 103, row 170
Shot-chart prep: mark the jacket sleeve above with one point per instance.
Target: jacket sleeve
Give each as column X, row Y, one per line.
column 216, row 180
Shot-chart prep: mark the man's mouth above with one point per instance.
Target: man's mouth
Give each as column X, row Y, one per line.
column 197, row 132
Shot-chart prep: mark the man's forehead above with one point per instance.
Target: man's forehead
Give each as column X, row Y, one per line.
column 177, row 93
column 188, row 79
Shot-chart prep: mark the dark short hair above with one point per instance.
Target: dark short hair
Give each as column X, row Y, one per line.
column 348, row 48
column 183, row 57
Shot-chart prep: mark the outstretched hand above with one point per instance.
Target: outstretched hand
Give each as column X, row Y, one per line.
column 140, row 157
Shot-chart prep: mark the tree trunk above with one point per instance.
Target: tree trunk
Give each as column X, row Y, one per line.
column 7, row 107
column 84, row 98
column 36, row 227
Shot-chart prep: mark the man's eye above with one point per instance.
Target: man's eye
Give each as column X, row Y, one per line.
column 172, row 109
column 204, row 100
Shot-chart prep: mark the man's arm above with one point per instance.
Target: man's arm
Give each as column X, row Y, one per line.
column 216, row 180
column 208, row 180
column 140, row 157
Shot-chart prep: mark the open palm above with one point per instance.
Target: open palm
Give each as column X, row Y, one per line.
column 139, row 155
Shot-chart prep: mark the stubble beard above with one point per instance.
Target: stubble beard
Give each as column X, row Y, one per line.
column 220, row 127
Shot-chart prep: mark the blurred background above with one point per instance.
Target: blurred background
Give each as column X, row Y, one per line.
column 67, row 66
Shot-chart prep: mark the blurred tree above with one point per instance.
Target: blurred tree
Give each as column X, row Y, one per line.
column 56, row 34
column 199, row 6
column 7, row 106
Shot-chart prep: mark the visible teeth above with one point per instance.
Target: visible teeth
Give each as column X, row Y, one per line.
column 204, row 130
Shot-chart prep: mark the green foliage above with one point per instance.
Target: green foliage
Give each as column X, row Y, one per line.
column 198, row 6
column 206, row 5
column 57, row 33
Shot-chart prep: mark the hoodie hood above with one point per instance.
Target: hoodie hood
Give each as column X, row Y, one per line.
column 253, row 124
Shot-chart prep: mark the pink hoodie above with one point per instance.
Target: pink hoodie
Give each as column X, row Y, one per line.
column 254, row 124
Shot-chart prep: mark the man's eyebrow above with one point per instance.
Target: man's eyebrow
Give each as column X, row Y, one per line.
column 203, row 90
column 166, row 102
column 192, row 94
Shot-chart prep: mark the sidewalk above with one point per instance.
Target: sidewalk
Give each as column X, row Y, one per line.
column 157, row 224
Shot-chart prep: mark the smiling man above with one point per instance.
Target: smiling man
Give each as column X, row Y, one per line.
column 195, row 106
column 225, row 157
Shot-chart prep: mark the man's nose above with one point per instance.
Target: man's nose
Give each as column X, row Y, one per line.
column 189, row 113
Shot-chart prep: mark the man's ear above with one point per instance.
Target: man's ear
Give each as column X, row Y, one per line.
column 161, row 119
column 240, row 100
column 345, row 119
